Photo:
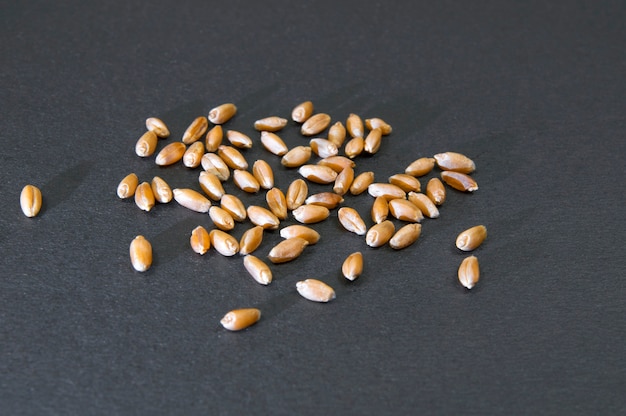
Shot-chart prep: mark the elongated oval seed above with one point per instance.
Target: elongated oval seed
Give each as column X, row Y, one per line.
column 273, row 143
column 263, row 173
column 296, row 194
column 406, row 182
column 272, row 123
column 239, row 319
column 245, row 181
column 354, row 147
column 146, row 145
column 232, row 157
column 214, row 164
column 171, row 154
column 386, row 190
column 315, row 124
column 436, row 191
column 296, row 157
column 193, row 155
column 211, row 185
column 238, row 139
column 372, row 142
column 378, row 123
column 158, row 127
column 161, row 190
column 31, row 200
column 127, row 186
column 251, row 240
column 140, row 253
column 405, row 210
column 224, row 243
column 144, row 197
column 191, row 199
column 469, row 272
column 263, row 217
column 221, row 218
column 352, row 266
column 380, row 209
column 350, row 219
column 277, row 203
column 455, row 161
column 471, row 238
column 337, row 134
column 214, row 138
column 315, row 290
column 337, row 163
column 459, row 181
column 287, row 250
column 354, row 126
column 222, row 113
column 323, row 148
column 195, row 130
column 302, row 112
column 200, row 241
column 421, row 201
column 405, row 236
column 257, row 269
column 361, row 182
column 379, row 234
column 302, row 231
column 343, row 181
column 329, row 200
column 234, row 206
column 318, row 173
column 420, row 167
column 310, row 214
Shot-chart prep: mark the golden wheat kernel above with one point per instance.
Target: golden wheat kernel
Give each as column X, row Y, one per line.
column 144, row 197
column 211, row 185
column 273, row 143
column 337, row 163
column 372, row 142
column 250, row 240
column 277, row 203
column 158, row 127
column 405, row 236
column 234, row 206
column 302, row 112
column 171, row 154
column 455, row 161
column 354, row 126
column 315, row 124
column 406, row 182
column 258, row 269
column 380, row 209
column 469, row 272
column 352, row 266
column 354, row 147
column 361, row 182
column 224, row 243
column 232, row 157
column 146, row 145
column 296, row 157
column 436, row 191
column 337, row 134
column 31, row 200
column 161, row 190
column 214, row 138
column 287, row 250
column 318, row 173
column 200, row 241
column 471, row 238
column 191, row 199
column 343, row 181
column 263, row 217
column 420, row 167
column 296, row 194
column 239, row 319
column 323, row 148
column 310, row 214
column 214, row 164
column 263, row 173
column 405, row 210
column 379, row 234
column 386, row 190
column 127, row 186
column 301, row 231
column 222, row 113
column 196, row 129
column 272, row 123
column 238, row 139
column 140, row 253
column 221, row 218
column 459, row 181
column 378, row 123
column 193, row 155
column 315, row 290
column 421, row 201
column 245, row 181
column 350, row 219
column 329, row 200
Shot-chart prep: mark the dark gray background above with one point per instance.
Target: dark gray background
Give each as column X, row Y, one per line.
column 533, row 91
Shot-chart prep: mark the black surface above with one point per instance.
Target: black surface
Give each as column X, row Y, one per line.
column 533, row 91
